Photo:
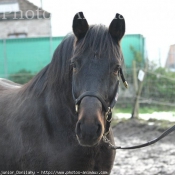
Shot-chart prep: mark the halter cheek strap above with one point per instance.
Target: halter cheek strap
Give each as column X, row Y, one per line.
column 123, row 78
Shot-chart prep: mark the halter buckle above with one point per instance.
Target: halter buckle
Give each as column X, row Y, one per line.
column 76, row 108
column 107, row 115
column 126, row 84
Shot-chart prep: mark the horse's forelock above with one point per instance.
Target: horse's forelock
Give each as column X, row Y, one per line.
column 99, row 41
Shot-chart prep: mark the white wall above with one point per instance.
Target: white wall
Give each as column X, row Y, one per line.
column 33, row 28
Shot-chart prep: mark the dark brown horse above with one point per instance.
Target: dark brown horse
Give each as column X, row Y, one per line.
column 39, row 127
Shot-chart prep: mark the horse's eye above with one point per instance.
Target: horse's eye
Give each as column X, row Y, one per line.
column 116, row 70
column 73, row 64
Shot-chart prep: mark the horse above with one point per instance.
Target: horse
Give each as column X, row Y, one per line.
column 7, row 84
column 57, row 120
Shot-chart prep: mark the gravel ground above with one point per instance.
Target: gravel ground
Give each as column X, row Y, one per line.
column 158, row 159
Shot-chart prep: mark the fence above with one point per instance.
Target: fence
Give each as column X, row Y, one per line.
column 158, row 89
column 31, row 54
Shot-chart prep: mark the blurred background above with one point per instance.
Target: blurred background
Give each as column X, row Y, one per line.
column 31, row 30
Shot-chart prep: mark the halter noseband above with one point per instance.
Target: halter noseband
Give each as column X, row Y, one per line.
column 107, row 108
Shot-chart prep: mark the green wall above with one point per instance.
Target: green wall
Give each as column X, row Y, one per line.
column 138, row 42
column 32, row 54
column 1, row 59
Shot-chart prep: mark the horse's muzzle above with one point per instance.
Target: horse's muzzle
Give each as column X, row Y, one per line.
column 90, row 125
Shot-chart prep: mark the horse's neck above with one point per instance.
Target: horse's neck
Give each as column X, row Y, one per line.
column 60, row 106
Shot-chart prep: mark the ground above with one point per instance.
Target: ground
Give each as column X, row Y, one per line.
column 158, row 159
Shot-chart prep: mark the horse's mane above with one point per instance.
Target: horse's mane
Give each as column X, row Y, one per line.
column 55, row 76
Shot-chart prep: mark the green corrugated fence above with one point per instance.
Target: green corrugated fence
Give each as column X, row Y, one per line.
column 32, row 54
column 138, row 43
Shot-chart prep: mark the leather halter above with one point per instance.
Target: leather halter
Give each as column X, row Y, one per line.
column 107, row 108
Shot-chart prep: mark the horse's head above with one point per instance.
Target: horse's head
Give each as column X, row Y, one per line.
column 96, row 63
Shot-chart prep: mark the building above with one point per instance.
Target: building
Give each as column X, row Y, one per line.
column 170, row 62
column 22, row 19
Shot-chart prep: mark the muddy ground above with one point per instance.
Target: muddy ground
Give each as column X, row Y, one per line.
column 158, row 159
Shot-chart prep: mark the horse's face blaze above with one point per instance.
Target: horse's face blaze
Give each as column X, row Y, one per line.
column 95, row 65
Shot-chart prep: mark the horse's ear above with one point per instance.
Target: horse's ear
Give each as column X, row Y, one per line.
column 80, row 25
column 117, row 27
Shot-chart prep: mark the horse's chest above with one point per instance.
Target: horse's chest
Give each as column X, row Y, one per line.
column 82, row 158
column 75, row 157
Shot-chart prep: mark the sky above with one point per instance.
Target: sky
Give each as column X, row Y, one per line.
column 154, row 19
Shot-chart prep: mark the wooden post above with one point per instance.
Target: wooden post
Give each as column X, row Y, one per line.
column 135, row 75
column 135, row 111
column 135, row 81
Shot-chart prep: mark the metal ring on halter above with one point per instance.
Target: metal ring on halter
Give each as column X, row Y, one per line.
column 107, row 114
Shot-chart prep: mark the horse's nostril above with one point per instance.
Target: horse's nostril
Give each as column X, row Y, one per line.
column 88, row 132
column 99, row 128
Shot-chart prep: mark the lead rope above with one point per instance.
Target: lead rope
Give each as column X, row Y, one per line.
column 165, row 133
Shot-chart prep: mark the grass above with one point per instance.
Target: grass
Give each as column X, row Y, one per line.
column 160, row 125
column 144, row 110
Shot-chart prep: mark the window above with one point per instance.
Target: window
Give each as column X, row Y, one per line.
column 17, row 35
column 9, row 7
